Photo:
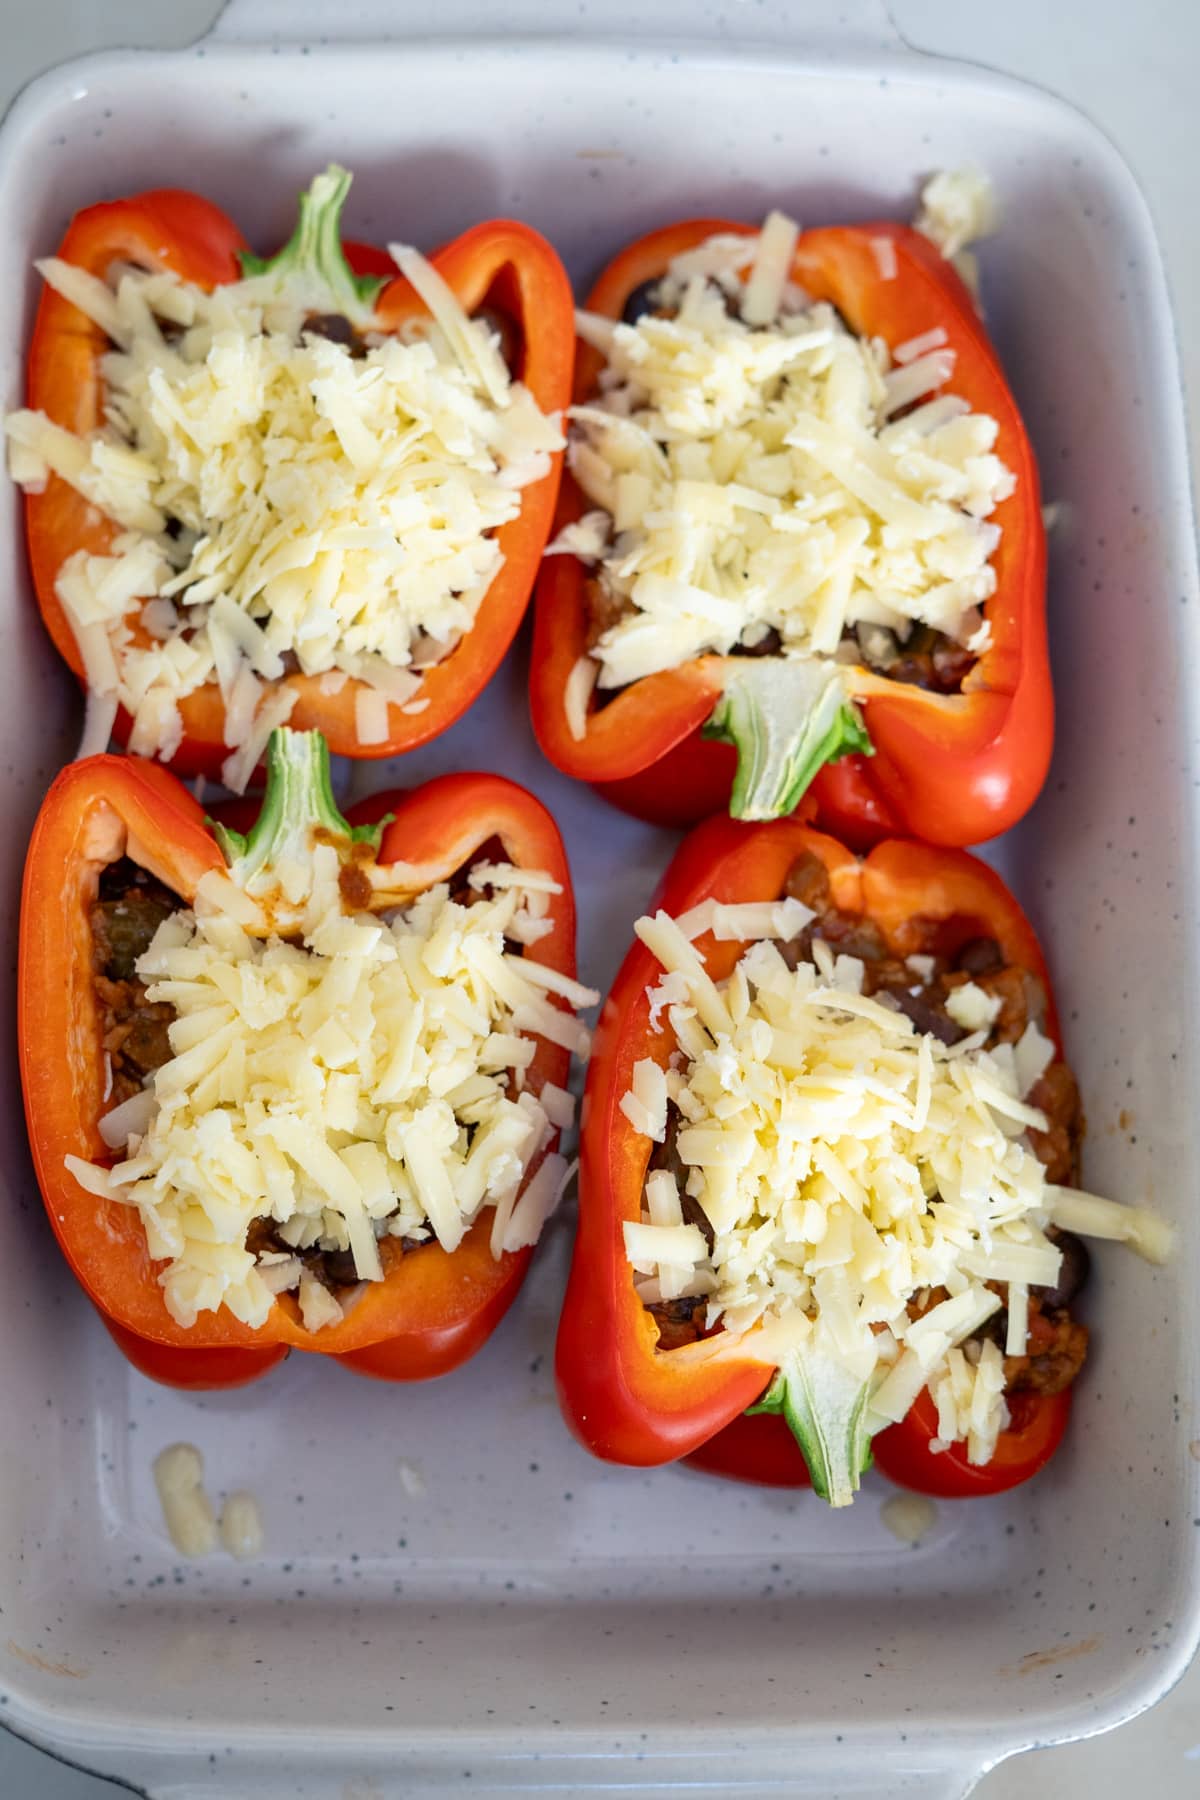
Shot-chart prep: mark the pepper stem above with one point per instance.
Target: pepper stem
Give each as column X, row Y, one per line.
column 786, row 717
column 313, row 259
column 825, row 1406
column 298, row 800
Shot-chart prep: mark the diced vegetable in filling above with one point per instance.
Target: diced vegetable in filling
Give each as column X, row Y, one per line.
column 294, row 489
column 307, row 1108
column 863, row 1157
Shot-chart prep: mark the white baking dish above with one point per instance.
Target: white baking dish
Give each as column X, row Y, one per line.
column 454, row 1594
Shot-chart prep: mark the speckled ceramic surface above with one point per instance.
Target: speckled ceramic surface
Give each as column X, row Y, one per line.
column 454, row 1594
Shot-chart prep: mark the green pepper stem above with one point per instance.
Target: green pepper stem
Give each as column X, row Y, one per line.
column 825, row 1406
column 313, row 260
column 298, row 800
column 786, row 717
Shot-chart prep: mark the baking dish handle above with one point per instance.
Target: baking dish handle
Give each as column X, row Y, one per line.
column 824, row 26
column 869, row 1770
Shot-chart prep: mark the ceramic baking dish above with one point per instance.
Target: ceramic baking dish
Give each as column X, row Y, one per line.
column 453, row 1594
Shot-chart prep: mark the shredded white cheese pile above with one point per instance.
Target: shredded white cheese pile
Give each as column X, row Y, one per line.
column 751, row 472
column 353, row 1085
column 280, row 497
column 847, row 1162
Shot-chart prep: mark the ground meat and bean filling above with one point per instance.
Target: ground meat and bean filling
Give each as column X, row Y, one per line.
column 130, row 906
column 926, row 658
column 1057, row 1343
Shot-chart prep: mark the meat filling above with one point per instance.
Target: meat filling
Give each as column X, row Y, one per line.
column 927, row 658
column 1057, row 1343
column 130, row 906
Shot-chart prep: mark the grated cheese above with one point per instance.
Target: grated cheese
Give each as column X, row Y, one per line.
column 347, row 1087
column 187, row 1509
column 100, row 715
column 846, row 1162
column 241, row 1526
column 770, row 270
column 586, row 538
column 370, row 716
column 750, row 475
column 883, row 250
column 913, row 348
column 972, row 1007
column 958, row 206
column 1017, row 1334
column 750, row 919
column 909, row 1517
column 542, row 1194
column 577, row 692
column 337, row 509
column 645, row 1105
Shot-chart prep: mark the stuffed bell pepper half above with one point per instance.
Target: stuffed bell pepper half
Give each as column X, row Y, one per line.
column 313, row 488
column 800, row 542
column 827, row 1172
column 301, row 1088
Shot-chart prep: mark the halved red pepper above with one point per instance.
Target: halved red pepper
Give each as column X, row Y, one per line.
column 433, row 1309
column 627, row 1400
column 952, row 769
column 501, row 265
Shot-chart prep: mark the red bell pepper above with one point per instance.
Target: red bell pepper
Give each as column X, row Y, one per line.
column 433, row 1309
column 627, row 1400
column 759, row 1448
column 501, row 264
column 1034, row 1432
column 952, row 769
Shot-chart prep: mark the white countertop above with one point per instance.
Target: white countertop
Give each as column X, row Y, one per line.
column 1132, row 68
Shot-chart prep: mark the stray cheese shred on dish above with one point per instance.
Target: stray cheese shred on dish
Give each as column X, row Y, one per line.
column 357, row 1079
column 958, row 206
column 846, row 1162
column 284, row 500
column 241, row 1526
column 756, row 468
column 187, row 1509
